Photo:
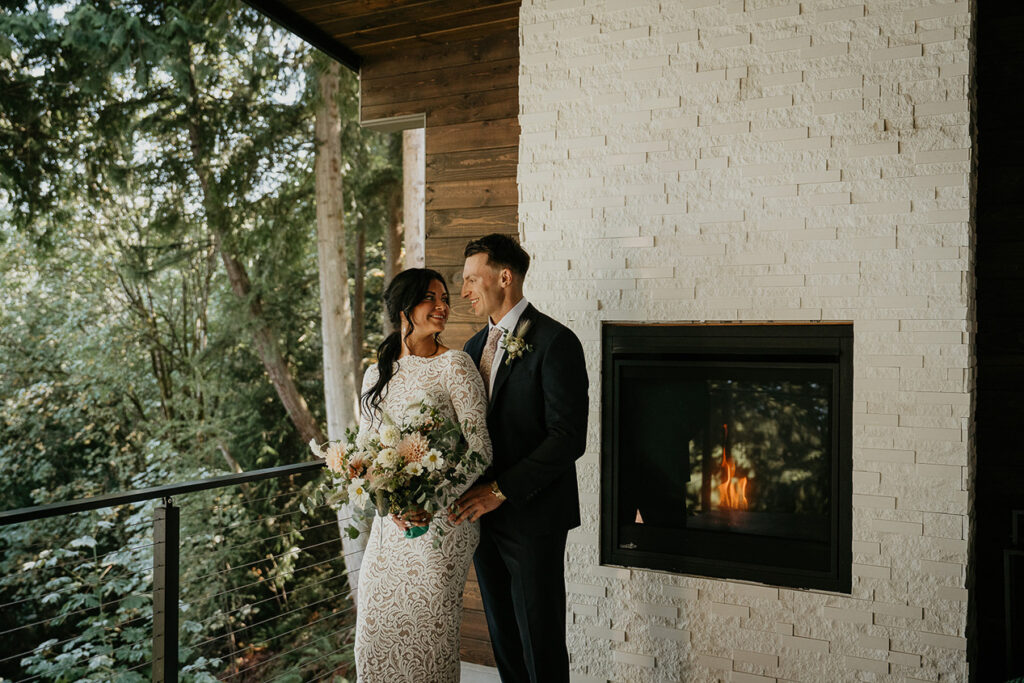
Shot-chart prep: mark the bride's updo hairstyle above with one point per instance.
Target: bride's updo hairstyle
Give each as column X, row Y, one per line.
column 405, row 292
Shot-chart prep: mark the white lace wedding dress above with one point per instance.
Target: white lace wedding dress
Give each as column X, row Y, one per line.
column 410, row 594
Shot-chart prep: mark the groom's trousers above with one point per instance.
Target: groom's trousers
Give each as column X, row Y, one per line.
column 522, row 582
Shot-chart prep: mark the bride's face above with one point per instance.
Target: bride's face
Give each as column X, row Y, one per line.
column 431, row 315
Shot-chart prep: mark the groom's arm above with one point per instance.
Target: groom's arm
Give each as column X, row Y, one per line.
column 566, row 406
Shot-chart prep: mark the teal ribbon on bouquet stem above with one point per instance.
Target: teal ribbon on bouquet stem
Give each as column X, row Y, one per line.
column 416, row 531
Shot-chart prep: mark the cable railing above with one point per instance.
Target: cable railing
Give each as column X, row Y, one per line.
column 227, row 580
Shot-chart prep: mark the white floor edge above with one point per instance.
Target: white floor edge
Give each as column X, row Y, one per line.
column 476, row 673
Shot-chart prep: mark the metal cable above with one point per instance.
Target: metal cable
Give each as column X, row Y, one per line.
column 148, row 662
column 256, row 583
column 150, row 545
column 264, row 559
column 48, row 544
column 92, row 559
column 77, row 662
column 272, row 597
column 49, row 593
column 276, row 616
column 282, row 654
column 324, row 656
column 297, row 628
column 220, row 550
column 263, row 518
column 251, row 502
column 330, row 673
column 242, row 545
column 71, row 614
column 68, row 640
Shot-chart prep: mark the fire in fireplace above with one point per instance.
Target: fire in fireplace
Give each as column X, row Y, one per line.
column 726, row 450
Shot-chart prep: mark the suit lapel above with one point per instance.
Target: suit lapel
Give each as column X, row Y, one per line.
column 505, row 369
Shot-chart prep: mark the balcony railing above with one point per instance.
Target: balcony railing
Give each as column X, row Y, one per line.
column 224, row 578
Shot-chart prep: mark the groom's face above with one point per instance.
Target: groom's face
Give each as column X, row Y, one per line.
column 482, row 285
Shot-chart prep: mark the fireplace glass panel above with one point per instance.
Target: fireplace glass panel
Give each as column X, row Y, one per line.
column 748, row 452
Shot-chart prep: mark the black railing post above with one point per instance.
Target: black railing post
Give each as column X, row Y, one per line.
column 166, row 526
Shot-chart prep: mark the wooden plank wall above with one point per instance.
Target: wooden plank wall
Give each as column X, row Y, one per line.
column 468, row 90
column 466, row 84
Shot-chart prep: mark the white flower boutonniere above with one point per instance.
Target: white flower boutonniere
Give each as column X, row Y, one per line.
column 514, row 344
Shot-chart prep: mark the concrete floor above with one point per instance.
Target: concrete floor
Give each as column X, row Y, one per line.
column 474, row 673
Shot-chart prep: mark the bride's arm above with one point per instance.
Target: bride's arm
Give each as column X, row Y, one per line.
column 466, row 388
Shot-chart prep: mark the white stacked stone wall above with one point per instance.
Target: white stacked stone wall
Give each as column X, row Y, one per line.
column 769, row 160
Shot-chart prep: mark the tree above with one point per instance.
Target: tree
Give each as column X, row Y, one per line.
column 207, row 79
column 159, row 251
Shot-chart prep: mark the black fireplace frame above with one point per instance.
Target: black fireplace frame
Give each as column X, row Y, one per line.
column 781, row 343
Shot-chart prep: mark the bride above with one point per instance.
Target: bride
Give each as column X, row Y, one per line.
column 410, row 593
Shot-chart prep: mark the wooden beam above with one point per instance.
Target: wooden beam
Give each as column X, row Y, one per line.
column 475, row 135
column 496, row 43
column 472, row 223
column 438, row 39
column 457, row 80
column 487, row 105
column 473, row 163
column 363, row 32
column 472, row 194
column 351, row 8
column 310, row 31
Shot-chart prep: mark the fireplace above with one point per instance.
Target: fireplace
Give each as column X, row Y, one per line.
column 726, row 450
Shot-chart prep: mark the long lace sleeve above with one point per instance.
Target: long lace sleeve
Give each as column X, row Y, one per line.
column 466, row 388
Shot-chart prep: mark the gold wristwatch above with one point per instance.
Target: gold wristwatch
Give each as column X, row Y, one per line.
column 497, row 491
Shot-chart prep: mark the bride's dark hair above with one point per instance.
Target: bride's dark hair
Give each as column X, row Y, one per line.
column 406, row 290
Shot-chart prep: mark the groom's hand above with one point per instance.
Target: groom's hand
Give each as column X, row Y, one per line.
column 474, row 504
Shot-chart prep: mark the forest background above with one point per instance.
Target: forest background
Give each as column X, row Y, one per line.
column 161, row 322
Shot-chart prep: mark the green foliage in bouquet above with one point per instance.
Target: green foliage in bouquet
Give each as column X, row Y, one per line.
column 419, row 462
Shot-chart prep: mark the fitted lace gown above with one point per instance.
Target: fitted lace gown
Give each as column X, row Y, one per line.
column 410, row 593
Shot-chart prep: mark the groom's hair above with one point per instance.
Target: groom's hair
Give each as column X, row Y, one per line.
column 502, row 252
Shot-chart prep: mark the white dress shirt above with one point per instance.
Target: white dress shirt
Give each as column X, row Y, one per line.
column 507, row 323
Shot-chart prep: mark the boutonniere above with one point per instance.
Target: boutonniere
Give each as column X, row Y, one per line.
column 514, row 344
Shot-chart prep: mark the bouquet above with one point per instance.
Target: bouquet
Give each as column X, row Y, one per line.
column 415, row 463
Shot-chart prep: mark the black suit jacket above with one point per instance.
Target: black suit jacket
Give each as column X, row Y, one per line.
column 537, row 419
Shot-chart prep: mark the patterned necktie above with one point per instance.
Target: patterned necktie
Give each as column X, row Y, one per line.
column 487, row 359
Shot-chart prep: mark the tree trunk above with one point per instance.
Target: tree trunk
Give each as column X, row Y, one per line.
column 339, row 383
column 413, row 199
column 359, row 303
column 269, row 352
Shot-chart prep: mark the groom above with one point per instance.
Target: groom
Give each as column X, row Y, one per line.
column 536, row 378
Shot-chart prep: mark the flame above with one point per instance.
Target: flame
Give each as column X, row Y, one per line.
column 732, row 492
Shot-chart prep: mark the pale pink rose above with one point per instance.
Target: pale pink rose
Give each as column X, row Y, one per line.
column 413, row 447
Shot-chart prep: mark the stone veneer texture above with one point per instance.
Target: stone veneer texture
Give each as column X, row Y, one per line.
column 769, row 160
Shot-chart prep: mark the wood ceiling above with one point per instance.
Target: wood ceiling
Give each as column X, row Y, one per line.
column 357, row 31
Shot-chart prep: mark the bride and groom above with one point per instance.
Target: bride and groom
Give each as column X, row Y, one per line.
column 521, row 387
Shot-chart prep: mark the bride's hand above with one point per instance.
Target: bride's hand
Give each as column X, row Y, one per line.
column 411, row 519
